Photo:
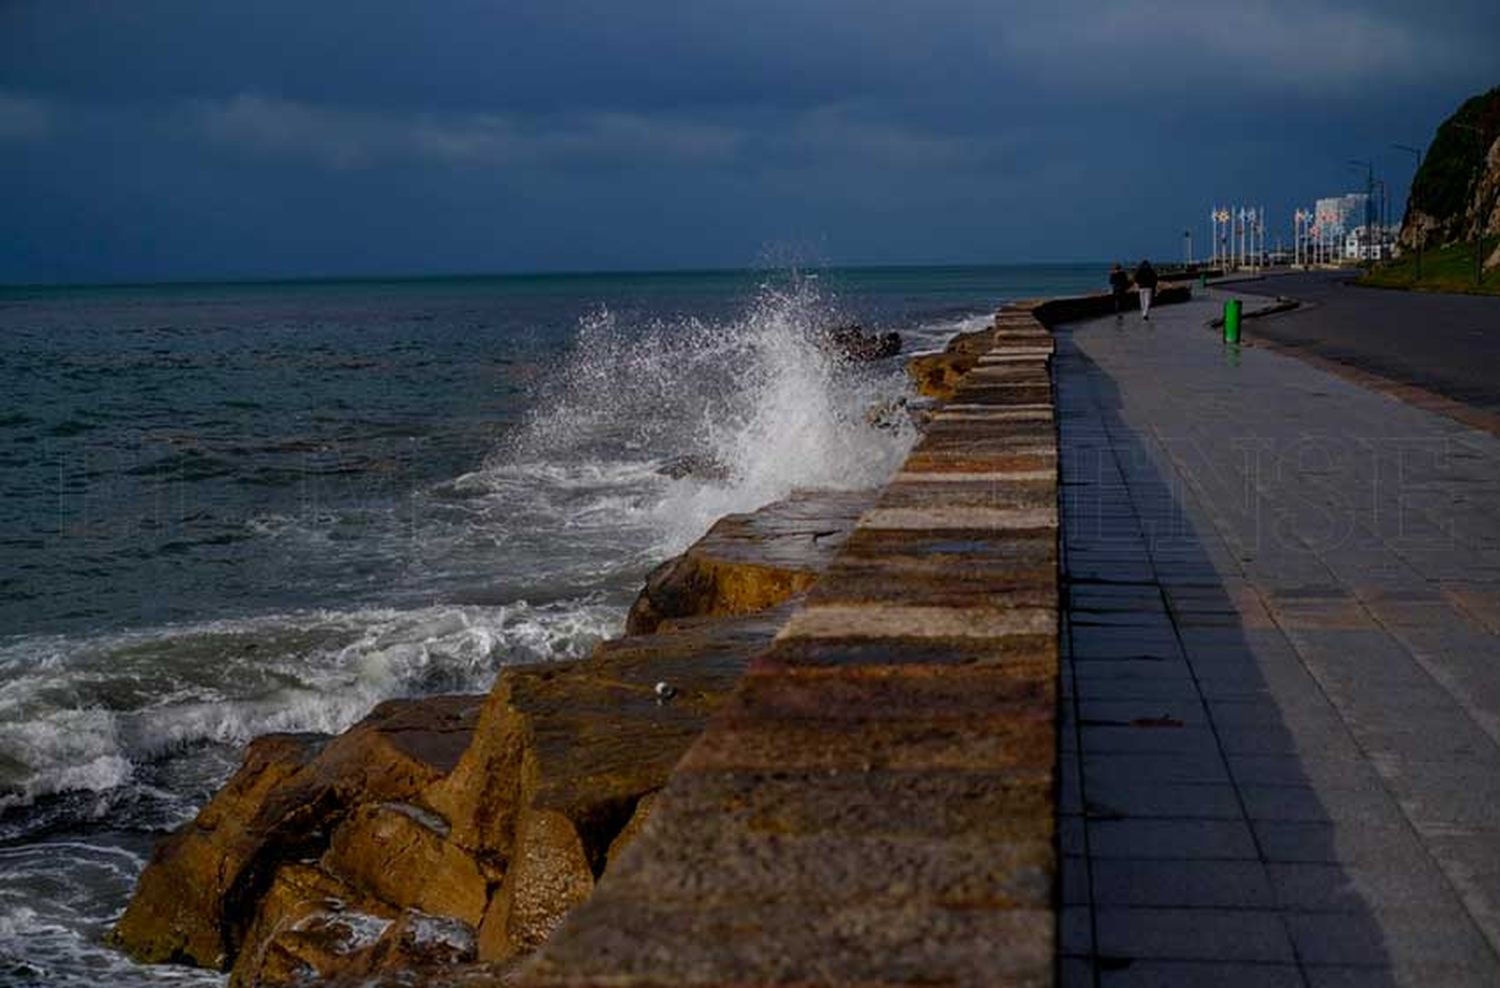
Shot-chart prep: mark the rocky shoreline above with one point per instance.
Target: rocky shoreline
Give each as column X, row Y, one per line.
column 454, row 829
column 445, row 839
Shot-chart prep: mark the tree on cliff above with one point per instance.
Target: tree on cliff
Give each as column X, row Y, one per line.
column 1458, row 183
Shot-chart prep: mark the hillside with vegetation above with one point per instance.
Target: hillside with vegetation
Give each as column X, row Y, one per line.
column 1449, row 268
column 1457, row 186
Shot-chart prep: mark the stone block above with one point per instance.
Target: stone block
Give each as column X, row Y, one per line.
column 623, row 941
column 549, row 876
column 401, row 854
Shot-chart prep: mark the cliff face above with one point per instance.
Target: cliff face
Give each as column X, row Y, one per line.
column 1457, row 187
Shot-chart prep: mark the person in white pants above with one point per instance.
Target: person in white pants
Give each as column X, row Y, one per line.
column 1145, row 283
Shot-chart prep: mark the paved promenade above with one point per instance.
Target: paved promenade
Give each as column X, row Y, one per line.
column 1281, row 746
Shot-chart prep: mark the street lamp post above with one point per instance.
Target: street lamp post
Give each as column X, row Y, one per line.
column 1384, row 220
column 1369, row 168
column 1421, row 234
column 1484, row 145
column 1224, row 240
column 1261, row 256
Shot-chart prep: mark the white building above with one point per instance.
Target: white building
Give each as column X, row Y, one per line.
column 1335, row 217
column 1378, row 245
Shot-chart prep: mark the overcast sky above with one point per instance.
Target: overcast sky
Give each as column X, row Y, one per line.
column 201, row 139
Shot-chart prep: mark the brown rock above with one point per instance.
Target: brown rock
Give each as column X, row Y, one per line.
column 564, row 752
column 177, row 912
column 419, row 942
column 632, row 829
column 314, row 926
column 311, row 925
column 199, row 892
column 750, row 562
column 937, row 374
column 974, row 343
column 549, row 876
column 875, row 802
column 401, row 853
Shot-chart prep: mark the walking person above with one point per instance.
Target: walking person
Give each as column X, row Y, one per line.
column 1119, row 281
column 1145, row 282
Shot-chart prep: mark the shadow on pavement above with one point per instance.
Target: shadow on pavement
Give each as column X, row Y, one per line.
column 1197, row 847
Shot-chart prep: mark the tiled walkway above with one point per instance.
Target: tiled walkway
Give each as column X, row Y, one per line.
column 1281, row 747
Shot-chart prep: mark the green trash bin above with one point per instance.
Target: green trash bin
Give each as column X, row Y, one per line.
column 1232, row 321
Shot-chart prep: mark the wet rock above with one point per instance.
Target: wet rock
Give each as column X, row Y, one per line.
column 311, row 925
column 890, row 415
column 749, row 562
column 402, row 854
column 550, row 875
column 419, row 942
column 315, row 927
column 201, row 889
column 935, row 375
column 852, row 343
column 177, row 913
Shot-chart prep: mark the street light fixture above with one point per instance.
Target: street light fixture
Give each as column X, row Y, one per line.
column 1421, row 233
column 1369, row 167
column 1484, row 145
column 1382, row 221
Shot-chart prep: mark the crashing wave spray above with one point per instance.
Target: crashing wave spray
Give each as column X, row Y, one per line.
column 760, row 400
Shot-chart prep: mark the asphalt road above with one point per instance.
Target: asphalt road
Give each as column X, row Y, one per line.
column 1449, row 344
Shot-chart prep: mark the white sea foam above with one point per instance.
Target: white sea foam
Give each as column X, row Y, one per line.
column 85, row 714
column 933, row 336
column 53, row 916
column 443, row 932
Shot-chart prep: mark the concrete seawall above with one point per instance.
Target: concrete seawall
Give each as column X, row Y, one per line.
column 852, row 779
column 875, row 802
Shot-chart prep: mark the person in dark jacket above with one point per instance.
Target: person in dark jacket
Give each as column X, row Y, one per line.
column 1119, row 281
column 1145, row 281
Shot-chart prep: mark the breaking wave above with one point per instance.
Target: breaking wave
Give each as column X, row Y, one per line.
column 746, row 409
column 87, row 714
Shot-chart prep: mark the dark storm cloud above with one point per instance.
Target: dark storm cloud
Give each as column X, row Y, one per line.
column 201, row 139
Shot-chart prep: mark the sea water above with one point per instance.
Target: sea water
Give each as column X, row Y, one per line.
column 234, row 509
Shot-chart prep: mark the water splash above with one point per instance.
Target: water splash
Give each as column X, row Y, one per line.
column 758, row 399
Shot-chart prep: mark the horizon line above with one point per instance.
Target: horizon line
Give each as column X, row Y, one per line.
column 325, row 279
